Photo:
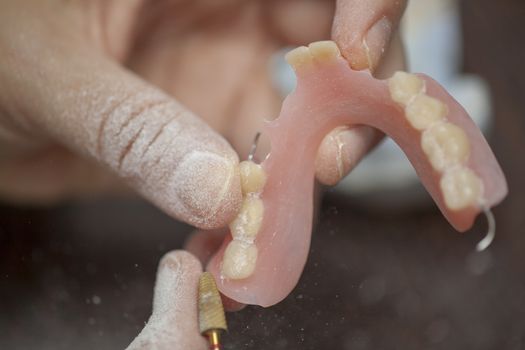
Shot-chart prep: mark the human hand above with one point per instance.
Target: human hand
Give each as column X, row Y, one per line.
column 69, row 86
column 173, row 323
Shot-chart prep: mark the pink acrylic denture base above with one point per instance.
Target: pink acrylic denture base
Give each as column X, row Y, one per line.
column 330, row 94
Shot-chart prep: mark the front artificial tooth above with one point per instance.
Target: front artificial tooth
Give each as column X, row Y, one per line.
column 248, row 222
column 404, row 87
column 239, row 260
column 253, row 177
column 445, row 144
column 324, row 50
column 424, row 111
column 299, row 57
column 461, row 188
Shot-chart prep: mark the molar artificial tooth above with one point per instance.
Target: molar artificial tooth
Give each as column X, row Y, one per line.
column 299, row 57
column 324, row 50
column 253, row 177
column 445, row 144
column 404, row 87
column 424, row 111
column 461, row 188
column 239, row 260
column 248, row 222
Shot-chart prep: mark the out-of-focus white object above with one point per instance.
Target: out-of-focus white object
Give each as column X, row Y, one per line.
column 432, row 35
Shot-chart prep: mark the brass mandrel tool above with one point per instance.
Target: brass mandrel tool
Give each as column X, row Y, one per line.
column 212, row 321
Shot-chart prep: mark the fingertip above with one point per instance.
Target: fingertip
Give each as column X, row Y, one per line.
column 173, row 322
column 207, row 187
column 365, row 51
column 332, row 161
column 177, row 280
column 376, row 41
column 181, row 261
column 341, row 150
column 363, row 30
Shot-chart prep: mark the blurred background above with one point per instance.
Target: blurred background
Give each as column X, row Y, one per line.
column 81, row 275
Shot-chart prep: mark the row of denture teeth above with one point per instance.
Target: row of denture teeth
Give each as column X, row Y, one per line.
column 446, row 145
column 240, row 256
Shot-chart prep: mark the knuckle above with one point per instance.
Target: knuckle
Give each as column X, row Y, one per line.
column 128, row 127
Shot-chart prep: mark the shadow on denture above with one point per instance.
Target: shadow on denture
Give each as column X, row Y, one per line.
column 263, row 258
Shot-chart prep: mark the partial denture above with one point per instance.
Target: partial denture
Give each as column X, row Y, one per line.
column 454, row 162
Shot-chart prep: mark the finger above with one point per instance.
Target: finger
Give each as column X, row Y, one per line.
column 173, row 323
column 363, row 29
column 297, row 22
column 165, row 152
column 203, row 244
column 343, row 148
column 393, row 59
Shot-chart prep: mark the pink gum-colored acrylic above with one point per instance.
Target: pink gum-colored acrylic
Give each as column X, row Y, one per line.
column 330, row 94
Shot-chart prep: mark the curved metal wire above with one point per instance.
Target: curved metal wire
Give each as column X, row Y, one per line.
column 491, row 232
column 254, row 146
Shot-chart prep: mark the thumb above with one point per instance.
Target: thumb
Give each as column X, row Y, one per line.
column 363, row 29
column 173, row 323
column 98, row 108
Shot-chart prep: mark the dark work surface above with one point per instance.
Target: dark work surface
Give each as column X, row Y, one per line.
column 80, row 276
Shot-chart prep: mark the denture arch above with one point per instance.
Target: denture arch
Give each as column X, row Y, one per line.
column 330, row 94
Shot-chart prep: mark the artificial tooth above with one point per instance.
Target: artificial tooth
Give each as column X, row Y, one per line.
column 424, row 111
column 404, row 87
column 253, row 177
column 324, row 50
column 248, row 222
column 239, row 260
column 299, row 57
column 445, row 144
column 461, row 188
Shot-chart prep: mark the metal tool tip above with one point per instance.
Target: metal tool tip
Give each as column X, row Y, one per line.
column 211, row 311
column 254, row 146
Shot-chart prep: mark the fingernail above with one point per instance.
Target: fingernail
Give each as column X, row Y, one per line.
column 376, row 41
column 352, row 144
column 329, row 172
column 207, row 188
column 171, row 261
column 173, row 267
column 344, row 161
